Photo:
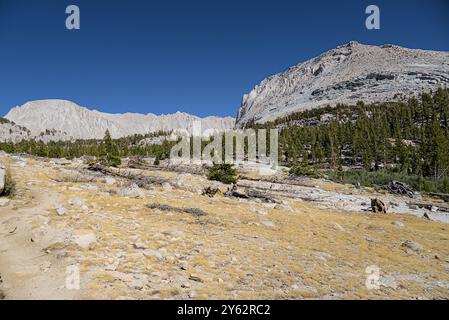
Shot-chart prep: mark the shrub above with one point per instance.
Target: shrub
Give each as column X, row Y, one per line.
column 110, row 161
column 224, row 173
column 304, row 172
column 383, row 177
column 157, row 161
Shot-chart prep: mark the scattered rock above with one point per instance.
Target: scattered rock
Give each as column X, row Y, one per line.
column 389, row 282
column 338, row 227
column 4, row 202
column 398, row 224
column 138, row 282
column 152, row 253
column 409, row 244
column 2, row 178
column 77, row 202
column 61, row 161
column 139, row 246
column 268, row 223
column 167, row 186
column 132, row 191
column 61, row 210
column 88, row 187
column 45, row 266
column 110, row 180
column 84, row 238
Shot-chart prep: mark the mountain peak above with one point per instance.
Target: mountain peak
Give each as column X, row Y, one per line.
column 347, row 74
column 75, row 122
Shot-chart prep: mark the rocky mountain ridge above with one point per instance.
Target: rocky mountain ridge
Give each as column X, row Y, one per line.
column 347, row 74
column 65, row 120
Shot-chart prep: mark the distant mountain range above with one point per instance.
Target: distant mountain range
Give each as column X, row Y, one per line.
column 347, row 74
column 65, row 120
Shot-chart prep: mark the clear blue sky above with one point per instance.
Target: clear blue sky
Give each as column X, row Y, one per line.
column 197, row 56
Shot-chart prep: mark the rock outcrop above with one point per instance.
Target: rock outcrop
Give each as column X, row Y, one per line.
column 10, row 132
column 348, row 74
column 2, row 178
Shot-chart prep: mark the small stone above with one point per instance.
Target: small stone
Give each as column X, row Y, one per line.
column 166, row 186
column 268, row 223
column 398, row 224
column 84, row 238
column 45, row 266
column 152, row 253
column 132, row 191
column 138, row 282
column 110, row 180
column 89, row 187
column 4, row 203
column 409, row 244
column 338, row 227
column 61, row 211
column 77, row 202
column 139, row 245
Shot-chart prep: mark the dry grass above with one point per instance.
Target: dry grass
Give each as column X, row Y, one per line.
column 307, row 253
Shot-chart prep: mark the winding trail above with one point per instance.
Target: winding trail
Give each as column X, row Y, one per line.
column 26, row 271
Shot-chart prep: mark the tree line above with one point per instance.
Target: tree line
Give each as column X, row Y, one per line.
column 411, row 137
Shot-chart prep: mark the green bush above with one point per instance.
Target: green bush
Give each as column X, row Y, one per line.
column 110, row 161
column 224, row 173
column 304, row 172
column 383, row 177
column 157, row 161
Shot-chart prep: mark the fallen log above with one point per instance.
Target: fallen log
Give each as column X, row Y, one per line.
column 429, row 206
column 179, row 168
column 142, row 181
column 396, row 187
column 443, row 196
column 164, row 207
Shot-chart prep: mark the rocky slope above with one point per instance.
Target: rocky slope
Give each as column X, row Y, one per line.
column 348, row 74
column 10, row 132
column 68, row 120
